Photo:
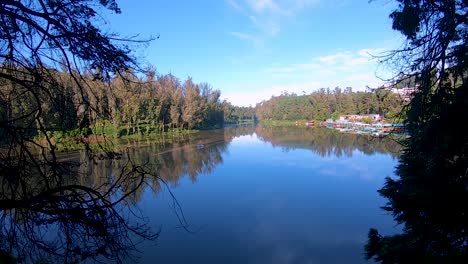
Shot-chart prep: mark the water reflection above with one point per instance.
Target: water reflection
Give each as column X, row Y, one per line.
column 199, row 154
column 326, row 142
column 72, row 218
column 55, row 227
column 189, row 155
column 281, row 195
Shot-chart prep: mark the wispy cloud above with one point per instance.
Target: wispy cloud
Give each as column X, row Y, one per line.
column 294, row 67
column 234, row 4
column 268, row 17
column 260, row 6
column 355, row 69
column 331, row 63
column 347, row 60
column 280, row 7
column 334, row 58
column 248, row 37
column 257, row 95
column 270, row 27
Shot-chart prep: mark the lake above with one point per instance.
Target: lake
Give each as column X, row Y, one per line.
column 265, row 195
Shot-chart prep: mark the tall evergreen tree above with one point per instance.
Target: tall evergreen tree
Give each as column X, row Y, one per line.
column 429, row 196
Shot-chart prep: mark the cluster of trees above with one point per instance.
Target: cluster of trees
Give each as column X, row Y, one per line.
column 239, row 114
column 154, row 103
column 327, row 103
column 162, row 101
column 133, row 104
column 428, row 198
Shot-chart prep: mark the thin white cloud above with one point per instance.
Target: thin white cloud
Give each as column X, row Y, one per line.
column 339, row 61
column 353, row 64
column 326, row 72
column 346, row 60
column 268, row 17
column 270, row 27
column 280, row 7
column 254, row 96
column 260, row 6
column 366, row 78
column 234, row 4
column 356, row 69
column 294, row 67
column 248, row 37
column 334, row 58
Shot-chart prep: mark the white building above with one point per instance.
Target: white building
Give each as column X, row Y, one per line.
column 405, row 93
column 358, row 118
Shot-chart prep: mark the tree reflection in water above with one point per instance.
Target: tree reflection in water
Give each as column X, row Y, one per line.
column 91, row 213
column 326, row 142
column 74, row 218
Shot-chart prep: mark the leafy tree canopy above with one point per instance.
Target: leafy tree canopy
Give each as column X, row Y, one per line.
column 429, row 195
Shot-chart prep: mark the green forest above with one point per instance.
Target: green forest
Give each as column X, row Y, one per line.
column 327, row 103
column 320, row 105
column 65, row 76
column 127, row 104
column 131, row 104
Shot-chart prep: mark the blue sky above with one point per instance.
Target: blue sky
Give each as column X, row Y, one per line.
column 253, row 49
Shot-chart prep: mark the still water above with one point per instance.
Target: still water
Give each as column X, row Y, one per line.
column 266, row 195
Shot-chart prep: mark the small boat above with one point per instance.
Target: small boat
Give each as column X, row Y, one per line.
column 379, row 134
column 310, row 123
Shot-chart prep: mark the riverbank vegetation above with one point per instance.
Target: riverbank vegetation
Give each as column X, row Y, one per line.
column 239, row 114
column 125, row 105
column 327, row 103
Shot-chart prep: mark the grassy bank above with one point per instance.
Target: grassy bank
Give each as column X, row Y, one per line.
column 108, row 135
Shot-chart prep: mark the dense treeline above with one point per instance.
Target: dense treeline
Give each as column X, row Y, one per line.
column 238, row 114
column 131, row 104
column 154, row 103
column 327, row 103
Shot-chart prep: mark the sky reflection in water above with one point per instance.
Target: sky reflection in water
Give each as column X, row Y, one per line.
column 273, row 196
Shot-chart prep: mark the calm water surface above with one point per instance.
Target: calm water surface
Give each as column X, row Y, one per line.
column 267, row 195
